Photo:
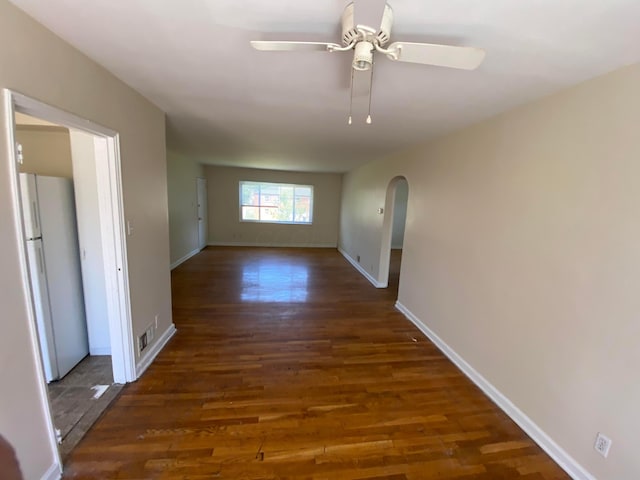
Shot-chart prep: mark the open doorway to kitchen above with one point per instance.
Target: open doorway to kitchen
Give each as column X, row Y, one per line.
column 67, row 187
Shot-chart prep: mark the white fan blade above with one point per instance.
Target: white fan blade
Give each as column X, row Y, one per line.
column 466, row 58
column 289, row 46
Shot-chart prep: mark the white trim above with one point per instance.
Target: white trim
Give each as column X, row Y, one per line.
column 36, row 108
column 100, row 351
column 180, row 261
column 116, row 277
column 53, row 473
column 26, row 283
column 276, row 245
column 358, row 267
column 557, row 453
column 155, row 349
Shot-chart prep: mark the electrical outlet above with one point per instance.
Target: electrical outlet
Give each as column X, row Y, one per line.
column 602, row 444
column 156, row 321
column 358, row 258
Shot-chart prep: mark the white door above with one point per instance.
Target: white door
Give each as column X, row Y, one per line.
column 201, row 192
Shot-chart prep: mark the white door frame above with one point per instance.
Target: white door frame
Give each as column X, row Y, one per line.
column 112, row 227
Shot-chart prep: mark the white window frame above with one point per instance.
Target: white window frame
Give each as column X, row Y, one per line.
column 274, row 184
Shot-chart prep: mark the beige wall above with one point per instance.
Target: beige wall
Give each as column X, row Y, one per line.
column 183, row 208
column 225, row 227
column 46, row 150
column 45, row 68
column 522, row 253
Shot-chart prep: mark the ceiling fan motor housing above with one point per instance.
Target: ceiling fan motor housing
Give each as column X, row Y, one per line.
column 351, row 34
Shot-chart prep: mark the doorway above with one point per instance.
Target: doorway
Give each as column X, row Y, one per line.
column 201, row 193
column 394, row 222
column 107, row 231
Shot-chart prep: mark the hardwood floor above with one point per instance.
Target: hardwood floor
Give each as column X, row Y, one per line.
column 288, row 364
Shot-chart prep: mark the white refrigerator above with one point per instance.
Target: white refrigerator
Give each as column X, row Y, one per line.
column 54, row 266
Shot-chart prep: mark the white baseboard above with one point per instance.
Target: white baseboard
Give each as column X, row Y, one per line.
column 364, row 273
column 276, row 245
column 97, row 351
column 185, row 258
column 560, row 456
column 155, row 349
column 54, row 472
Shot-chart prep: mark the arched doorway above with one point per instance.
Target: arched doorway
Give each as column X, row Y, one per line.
column 395, row 214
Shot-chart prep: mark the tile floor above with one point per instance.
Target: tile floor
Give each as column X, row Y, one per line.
column 73, row 402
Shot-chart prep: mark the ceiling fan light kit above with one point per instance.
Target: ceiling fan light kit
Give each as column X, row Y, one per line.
column 363, row 56
column 365, row 41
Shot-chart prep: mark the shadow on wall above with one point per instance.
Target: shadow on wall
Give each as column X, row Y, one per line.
column 9, row 465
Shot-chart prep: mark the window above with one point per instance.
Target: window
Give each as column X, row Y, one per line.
column 276, row 203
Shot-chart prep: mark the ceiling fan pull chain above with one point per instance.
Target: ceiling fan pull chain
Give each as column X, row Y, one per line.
column 370, row 90
column 350, row 121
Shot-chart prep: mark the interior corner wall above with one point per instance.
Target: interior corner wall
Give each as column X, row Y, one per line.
column 183, row 208
column 225, row 227
column 47, row 69
column 521, row 253
column 46, row 150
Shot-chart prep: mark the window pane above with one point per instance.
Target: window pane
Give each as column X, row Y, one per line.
column 269, row 195
column 303, row 209
column 276, row 202
column 269, row 214
column 250, row 194
column 250, row 213
column 306, row 191
column 285, row 210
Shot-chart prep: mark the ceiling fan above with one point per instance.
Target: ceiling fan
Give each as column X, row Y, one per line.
column 365, row 41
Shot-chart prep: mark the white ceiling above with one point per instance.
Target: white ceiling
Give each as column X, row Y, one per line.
column 228, row 104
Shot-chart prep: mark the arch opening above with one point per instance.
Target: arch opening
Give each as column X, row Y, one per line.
column 393, row 229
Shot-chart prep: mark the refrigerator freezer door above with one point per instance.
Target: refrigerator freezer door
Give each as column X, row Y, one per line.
column 30, row 211
column 38, row 275
column 62, row 264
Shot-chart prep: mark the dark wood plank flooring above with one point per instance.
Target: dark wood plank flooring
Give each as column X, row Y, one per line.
column 288, row 364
